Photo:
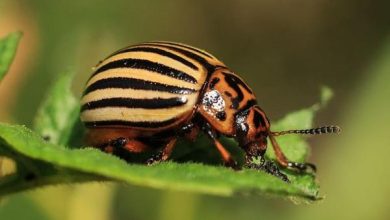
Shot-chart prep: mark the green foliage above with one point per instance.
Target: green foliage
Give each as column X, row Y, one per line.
column 8, row 46
column 45, row 163
column 58, row 113
column 46, row 156
column 294, row 146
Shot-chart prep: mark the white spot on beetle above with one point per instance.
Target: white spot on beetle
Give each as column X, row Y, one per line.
column 183, row 99
column 213, row 102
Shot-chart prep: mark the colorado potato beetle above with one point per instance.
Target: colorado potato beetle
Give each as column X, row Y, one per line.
column 156, row 92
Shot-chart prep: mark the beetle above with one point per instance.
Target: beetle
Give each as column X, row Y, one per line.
column 156, row 92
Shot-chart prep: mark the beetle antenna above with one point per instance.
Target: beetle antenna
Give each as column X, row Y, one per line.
column 332, row 129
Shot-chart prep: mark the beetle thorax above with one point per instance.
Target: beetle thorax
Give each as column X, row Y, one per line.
column 225, row 96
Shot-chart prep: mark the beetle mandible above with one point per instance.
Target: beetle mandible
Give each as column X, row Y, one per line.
column 159, row 91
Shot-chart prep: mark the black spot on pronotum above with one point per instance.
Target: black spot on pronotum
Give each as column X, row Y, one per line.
column 46, row 137
column 234, row 79
column 213, row 83
column 221, row 116
column 249, row 104
column 234, row 82
column 229, row 78
column 235, row 103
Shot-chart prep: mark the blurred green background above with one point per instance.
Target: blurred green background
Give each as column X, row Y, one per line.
column 286, row 50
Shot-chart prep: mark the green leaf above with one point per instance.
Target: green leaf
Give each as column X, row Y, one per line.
column 8, row 46
column 294, row 146
column 53, row 161
column 59, row 113
column 90, row 164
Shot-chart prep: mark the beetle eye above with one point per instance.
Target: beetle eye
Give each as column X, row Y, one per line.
column 260, row 120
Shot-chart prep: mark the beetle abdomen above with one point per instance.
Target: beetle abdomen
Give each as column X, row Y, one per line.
column 149, row 86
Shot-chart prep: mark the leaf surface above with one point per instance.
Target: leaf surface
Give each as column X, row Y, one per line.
column 8, row 46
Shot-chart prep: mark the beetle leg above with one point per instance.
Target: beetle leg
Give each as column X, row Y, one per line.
column 164, row 154
column 186, row 128
column 189, row 131
column 131, row 145
column 226, row 156
column 302, row 166
column 283, row 161
column 271, row 168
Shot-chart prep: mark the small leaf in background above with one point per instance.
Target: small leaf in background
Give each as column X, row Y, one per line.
column 294, row 146
column 8, row 46
column 59, row 113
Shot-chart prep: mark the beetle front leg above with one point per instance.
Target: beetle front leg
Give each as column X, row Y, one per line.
column 269, row 167
column 164, row 154
column 189, row 131
column 120, row 145
column 283, row 161
column 226, row 156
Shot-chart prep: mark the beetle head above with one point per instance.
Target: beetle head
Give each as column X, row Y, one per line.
column 252, row 127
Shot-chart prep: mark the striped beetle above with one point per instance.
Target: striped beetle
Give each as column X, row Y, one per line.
column 159, row 91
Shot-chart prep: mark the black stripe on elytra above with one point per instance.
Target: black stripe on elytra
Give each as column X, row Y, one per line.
column 233, row 82
column 185, row 46
column 141, row 124
column 154, row 103
column 130, row 83
column 202, row 61
column 160, row 52
column 147, row 65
